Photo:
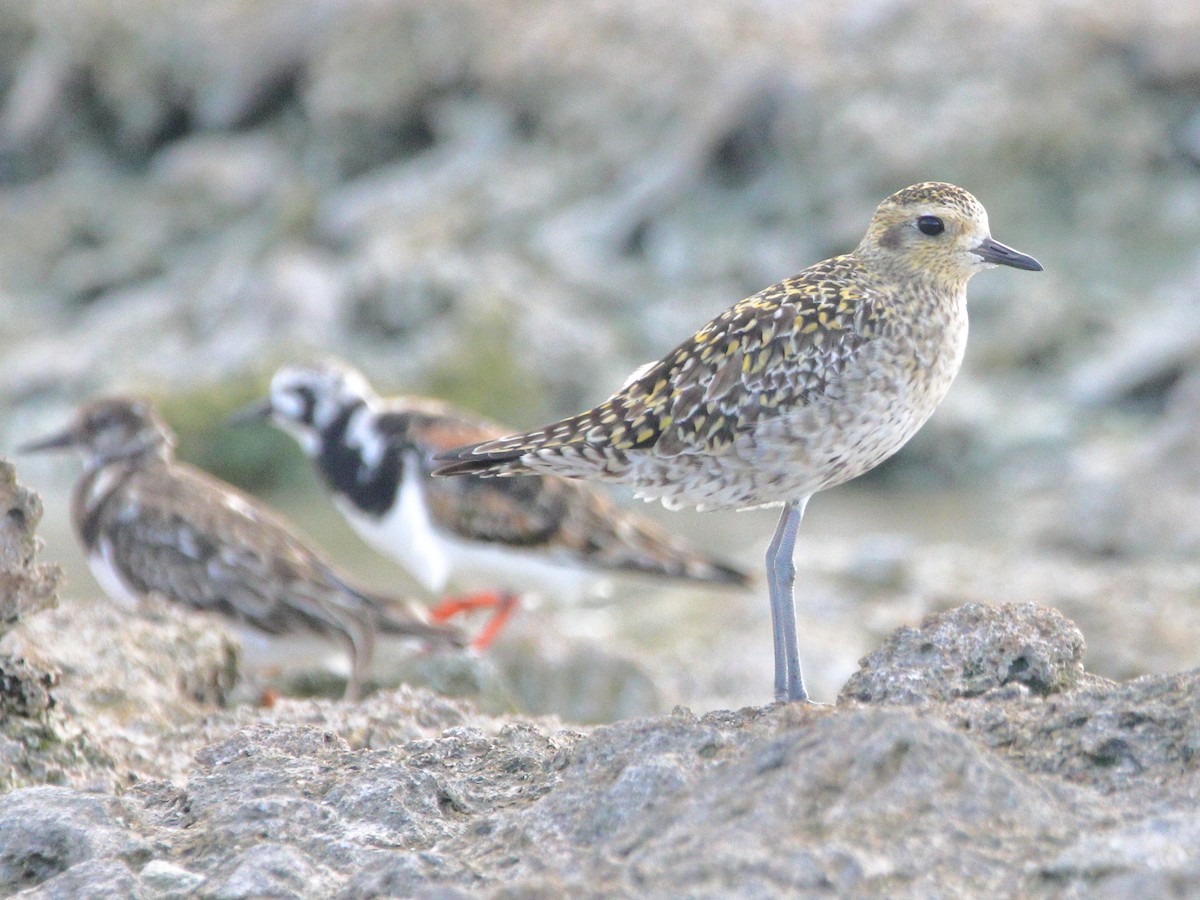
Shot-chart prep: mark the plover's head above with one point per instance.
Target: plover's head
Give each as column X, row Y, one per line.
column 937, row 230
column 109, row 429
column 307, row 398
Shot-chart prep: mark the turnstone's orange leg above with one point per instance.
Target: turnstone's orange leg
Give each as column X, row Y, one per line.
column 503, row 602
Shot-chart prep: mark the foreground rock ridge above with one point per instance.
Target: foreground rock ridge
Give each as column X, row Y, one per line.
column 970, row 756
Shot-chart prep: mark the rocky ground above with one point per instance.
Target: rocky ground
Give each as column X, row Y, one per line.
column 511, row 205
column 970, row 756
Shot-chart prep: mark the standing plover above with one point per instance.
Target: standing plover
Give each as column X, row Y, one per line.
column 543, row 535
column 150, row 524
column 801, row 387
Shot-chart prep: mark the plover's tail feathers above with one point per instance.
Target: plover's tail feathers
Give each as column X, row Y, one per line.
column 588, row 527
column 592, row 444
column 515, row 455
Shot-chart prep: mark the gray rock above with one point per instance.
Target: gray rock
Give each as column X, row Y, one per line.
column 407, row 874
column 1139, row 739
column 1018, row 794
column 26, row 586
column 166, row 879
column 95, row 879
column 267, row 870
column 46, row 831
column 1161, row 843
column 855, row 803
column 969, row 651
column 280, row 780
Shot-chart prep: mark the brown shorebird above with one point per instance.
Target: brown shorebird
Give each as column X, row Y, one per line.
column 801, row 387
column 503, row 538
column 150, row 524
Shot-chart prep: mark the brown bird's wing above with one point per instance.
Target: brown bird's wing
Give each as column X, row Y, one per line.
column 177, row 532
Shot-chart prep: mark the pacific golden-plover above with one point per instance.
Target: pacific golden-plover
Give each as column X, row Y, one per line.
column 504, row 538
column 799, row 388
column 150, row 524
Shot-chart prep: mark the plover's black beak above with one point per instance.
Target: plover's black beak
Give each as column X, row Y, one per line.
column 995, row 252
column 259, row 411
column 58, row 441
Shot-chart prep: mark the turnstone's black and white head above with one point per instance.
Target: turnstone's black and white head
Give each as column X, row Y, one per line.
column 306, row 400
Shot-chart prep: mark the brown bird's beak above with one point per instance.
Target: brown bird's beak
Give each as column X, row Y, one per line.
column 258, row 411
column 995, row 252
column 60, row 441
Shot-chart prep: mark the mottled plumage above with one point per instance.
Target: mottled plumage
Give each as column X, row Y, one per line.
column 801, row 387
column 150, row 524
column 545, row 534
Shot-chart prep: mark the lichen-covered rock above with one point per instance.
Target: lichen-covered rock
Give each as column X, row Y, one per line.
column 1141, row 737
column 969, row 651
column 26, row 586
column 24, row 689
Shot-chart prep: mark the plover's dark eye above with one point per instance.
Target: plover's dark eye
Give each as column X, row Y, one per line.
column 931, row 225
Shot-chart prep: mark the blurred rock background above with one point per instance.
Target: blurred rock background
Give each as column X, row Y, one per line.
column 512, row 204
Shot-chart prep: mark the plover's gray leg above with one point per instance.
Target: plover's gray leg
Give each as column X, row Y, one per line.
column 781, row 576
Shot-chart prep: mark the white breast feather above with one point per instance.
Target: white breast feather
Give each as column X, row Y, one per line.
column 109, row 578
column 438, row 559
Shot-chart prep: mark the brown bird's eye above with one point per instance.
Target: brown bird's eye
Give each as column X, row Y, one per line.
column 931, row 225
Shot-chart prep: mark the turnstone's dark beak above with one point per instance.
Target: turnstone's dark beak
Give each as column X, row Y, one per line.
column 54, row 442
column 995, row 252
column 259, row 411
